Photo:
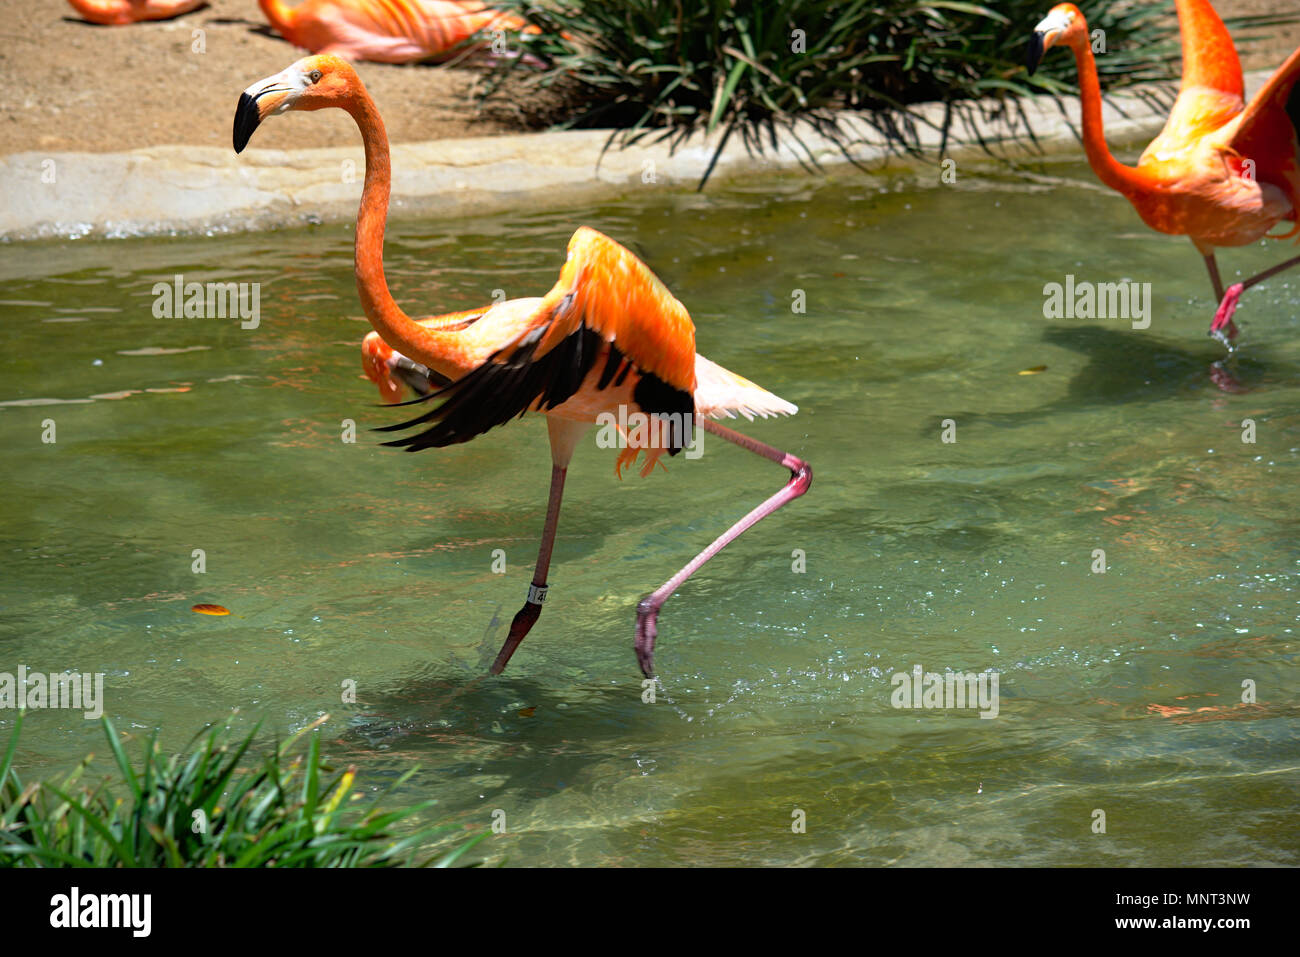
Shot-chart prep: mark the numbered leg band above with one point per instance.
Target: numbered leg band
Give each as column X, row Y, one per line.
column 536, row 594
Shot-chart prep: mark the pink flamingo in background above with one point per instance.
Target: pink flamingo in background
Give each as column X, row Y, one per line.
column 386, row 31
column 118, row 12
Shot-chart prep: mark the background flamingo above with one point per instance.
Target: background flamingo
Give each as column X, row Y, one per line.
column 118, row 12
column 1221, row 172
column 385, row 31
column 608, row 335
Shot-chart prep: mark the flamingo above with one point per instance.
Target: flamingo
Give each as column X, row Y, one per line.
column 1221, row 172
column 609, row 338
column 385, row 31
column 119, row 12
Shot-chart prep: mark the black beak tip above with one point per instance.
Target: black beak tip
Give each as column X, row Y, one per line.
column 246, row 120
column 1034, row 55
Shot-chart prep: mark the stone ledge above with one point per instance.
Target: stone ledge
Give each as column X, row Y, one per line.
column 171, row 190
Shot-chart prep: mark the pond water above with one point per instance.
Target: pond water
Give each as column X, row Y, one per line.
column 1119, row 691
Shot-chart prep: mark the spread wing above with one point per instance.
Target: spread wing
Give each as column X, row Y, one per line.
column 607, row 302
column 1211, row 95
column 1266, row 131
column 1209, row 57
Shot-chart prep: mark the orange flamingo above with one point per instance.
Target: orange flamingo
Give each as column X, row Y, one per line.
column 609, row 338
column 1221, row 172
column 385, row 31
column 118, row 12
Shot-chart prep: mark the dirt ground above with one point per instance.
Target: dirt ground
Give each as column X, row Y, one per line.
column 1270, row 50
column 69, row 85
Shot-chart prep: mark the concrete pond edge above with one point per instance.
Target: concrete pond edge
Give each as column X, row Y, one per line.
column 192, row 190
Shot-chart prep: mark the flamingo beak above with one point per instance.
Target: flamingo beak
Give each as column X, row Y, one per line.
column 275, row 94
column 1034, row 55
column 375, row 357
column 389, row 370
column 420, row 379
column 1045, row 34
column 246, row 121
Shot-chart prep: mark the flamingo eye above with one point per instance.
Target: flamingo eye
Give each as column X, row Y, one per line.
column 314, row 76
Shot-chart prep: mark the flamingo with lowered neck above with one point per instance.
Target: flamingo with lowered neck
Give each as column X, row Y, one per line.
column 386, row 31
column 1222, row 172
column 118, row 12
column 608, row 339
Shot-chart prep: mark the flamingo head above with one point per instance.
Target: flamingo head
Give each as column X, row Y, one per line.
column 313, row 83
column 377, row 361
column 1064, row 23
column 390, row 370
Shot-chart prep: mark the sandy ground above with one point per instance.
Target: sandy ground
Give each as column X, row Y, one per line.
column 69, row 85
column 1271, row 49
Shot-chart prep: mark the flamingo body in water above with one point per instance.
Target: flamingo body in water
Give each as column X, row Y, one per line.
column 608, row 338
column 385, row 31
column 119, row 12
column 1222, row 172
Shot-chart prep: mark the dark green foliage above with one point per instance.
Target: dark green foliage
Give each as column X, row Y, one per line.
column 669, row 69
column 282, row 812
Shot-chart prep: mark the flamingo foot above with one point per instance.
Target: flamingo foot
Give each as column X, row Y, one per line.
column 1223, row 328
column 523, row 622
column 647, row 617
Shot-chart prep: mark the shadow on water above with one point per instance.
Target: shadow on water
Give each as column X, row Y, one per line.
column 474, row 730
column 1126, row 366
column 432, row 710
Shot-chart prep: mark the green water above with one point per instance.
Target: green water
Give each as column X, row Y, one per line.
column 352, row 562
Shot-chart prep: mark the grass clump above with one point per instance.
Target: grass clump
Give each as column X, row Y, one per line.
column 200, row 808
column 667, row 68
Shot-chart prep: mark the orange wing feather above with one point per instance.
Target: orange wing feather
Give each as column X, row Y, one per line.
column 1266, row 131
column 1209, row 57
column 608, row 312
column 605, row 287
column 1212, row 89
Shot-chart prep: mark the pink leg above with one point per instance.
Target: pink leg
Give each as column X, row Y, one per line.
column 1228, row 298
column 532, row 610
column 1223, row 315
column 647, row 611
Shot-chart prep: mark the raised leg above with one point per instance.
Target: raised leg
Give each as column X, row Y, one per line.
column 647, row 611
column 1229, row 297
column 532, row 610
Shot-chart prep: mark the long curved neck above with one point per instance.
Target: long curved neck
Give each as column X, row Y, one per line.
column 394, row 326
column 1112, row 172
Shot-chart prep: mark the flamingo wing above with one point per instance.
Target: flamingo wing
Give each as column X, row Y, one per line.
column 1266, row 131
column 606, row 303
column 1212, row 89
column 1209, row 57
